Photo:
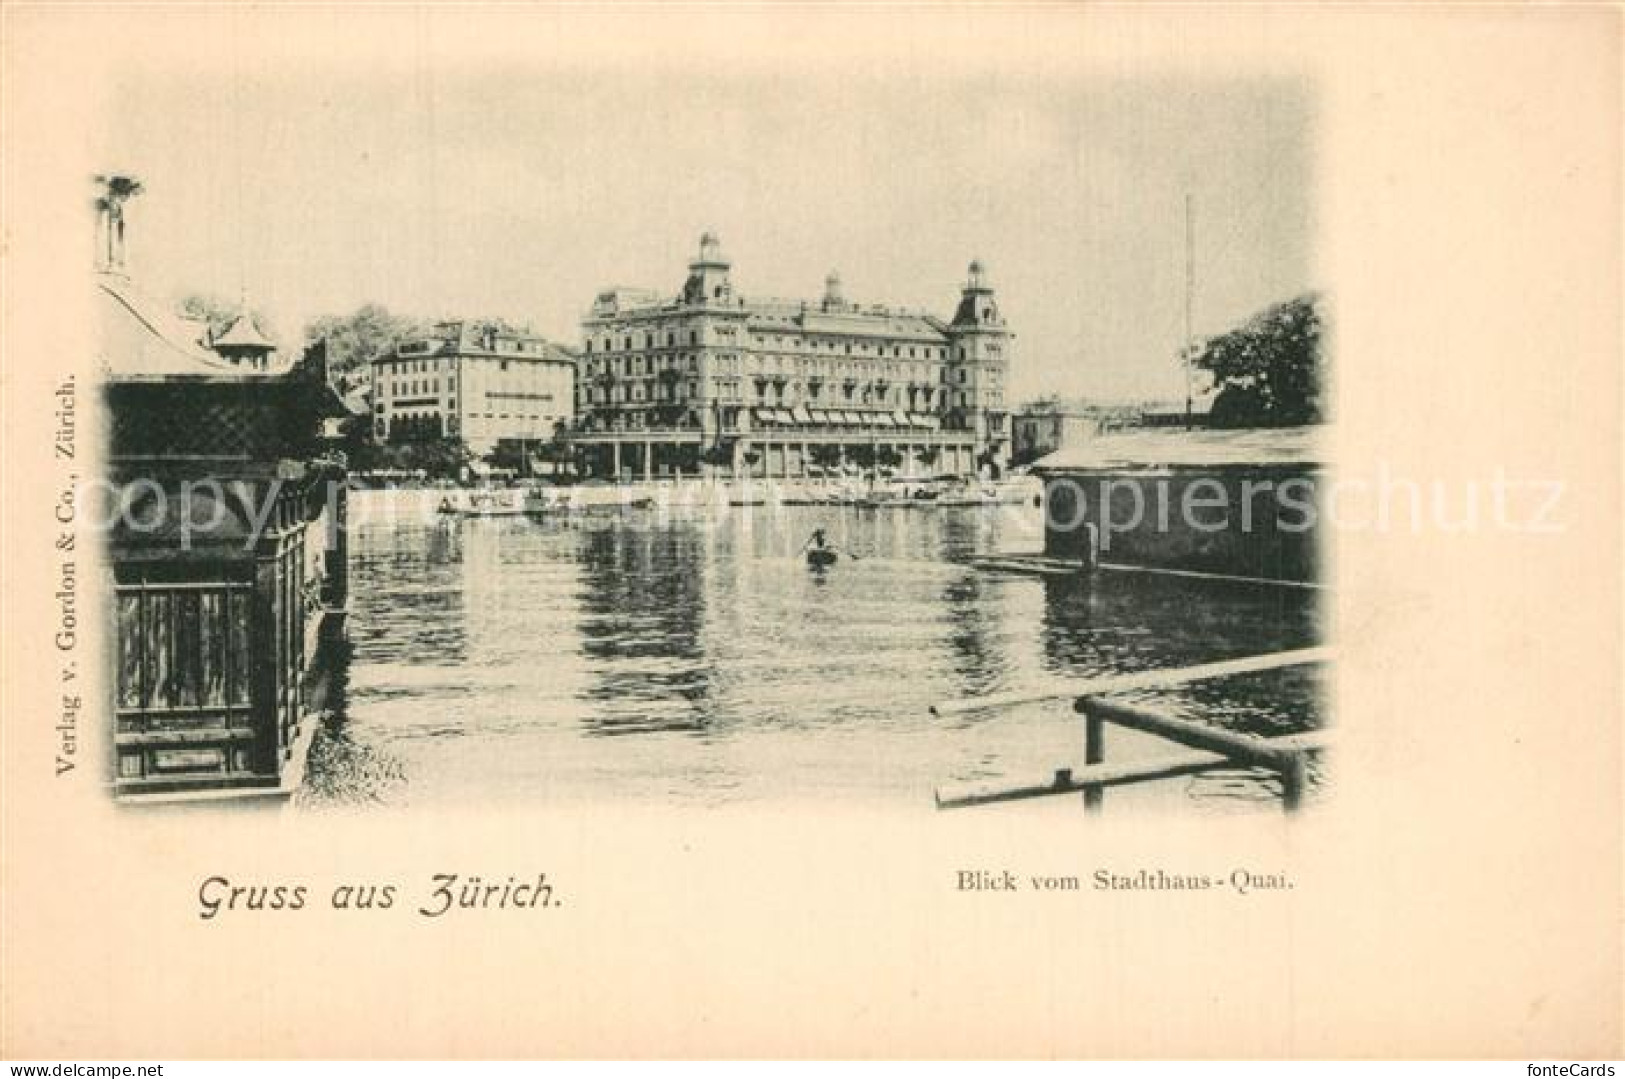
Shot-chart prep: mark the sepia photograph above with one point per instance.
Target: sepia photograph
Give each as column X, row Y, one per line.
column 873, row 531
column 455, row 457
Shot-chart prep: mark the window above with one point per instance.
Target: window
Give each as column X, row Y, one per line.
column 186, row 648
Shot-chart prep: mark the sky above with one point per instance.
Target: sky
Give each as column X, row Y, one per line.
column 441, row 188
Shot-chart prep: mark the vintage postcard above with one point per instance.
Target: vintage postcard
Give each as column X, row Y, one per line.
column 811, row 531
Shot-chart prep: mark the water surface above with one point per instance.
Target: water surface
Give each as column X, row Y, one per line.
column 693, row 659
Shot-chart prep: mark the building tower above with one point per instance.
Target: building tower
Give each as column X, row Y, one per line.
column 978, row 361
column 833, row 300
column 244, row 345
column 708, row 275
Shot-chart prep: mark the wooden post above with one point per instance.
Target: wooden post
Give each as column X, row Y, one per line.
column 1294, row 780
column 264, row 672
column 1091, row 547
column 1094, row 752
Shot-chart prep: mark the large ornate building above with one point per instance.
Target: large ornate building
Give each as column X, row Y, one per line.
column 710, row 380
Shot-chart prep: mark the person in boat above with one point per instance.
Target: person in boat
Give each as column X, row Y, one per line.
column 820, row 552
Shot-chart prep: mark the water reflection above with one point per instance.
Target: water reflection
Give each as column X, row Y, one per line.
column 696, row 659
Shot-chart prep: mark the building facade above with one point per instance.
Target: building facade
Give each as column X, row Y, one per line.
column 1238, row 503
column 708, row 381
column 480, row 383
column 1037, row 431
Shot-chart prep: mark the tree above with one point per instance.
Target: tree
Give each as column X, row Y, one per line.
column 888, row 457
column 513, row 453
column 116, row 191
column 441, row 458
column 561, row 449
column 1269, row 371
column 826, row 456
column 719, row 453
column 354, row 340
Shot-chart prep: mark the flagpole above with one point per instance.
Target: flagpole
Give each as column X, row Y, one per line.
column 1190, row 290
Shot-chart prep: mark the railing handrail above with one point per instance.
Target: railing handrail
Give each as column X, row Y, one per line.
column 1138, row 680
column 1097, row 776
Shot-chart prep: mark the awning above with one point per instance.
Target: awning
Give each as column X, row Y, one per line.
column 785, row 415
column 799, row 414
column 819, row 415
column 852, row 419
column 882, row 419
column 900, row 420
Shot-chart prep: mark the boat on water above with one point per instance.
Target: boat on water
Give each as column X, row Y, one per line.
column 485, row 502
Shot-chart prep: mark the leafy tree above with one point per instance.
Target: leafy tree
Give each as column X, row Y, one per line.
column 442, row 458
column 355, row 339
column 561, row 449
column 1269, row 371
column 718, row 453
column 116, row 191
column 825, row 456
column 514, row 453
column 888, row 457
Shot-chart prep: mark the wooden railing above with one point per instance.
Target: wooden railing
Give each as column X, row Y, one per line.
column 1207, row 747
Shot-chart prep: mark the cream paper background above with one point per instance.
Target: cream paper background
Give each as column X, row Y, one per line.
column 1459, row 894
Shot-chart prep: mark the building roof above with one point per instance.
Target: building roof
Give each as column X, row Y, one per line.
column 1203, row 448
column 242, row 333
column 874, row 324
column 358, row 402
column 470, row 339
column 142, row 341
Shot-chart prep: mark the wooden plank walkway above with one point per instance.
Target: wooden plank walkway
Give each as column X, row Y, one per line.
column 1044, row 565
column 1208, row 747
column 1129, row 683
column 1096, row 777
